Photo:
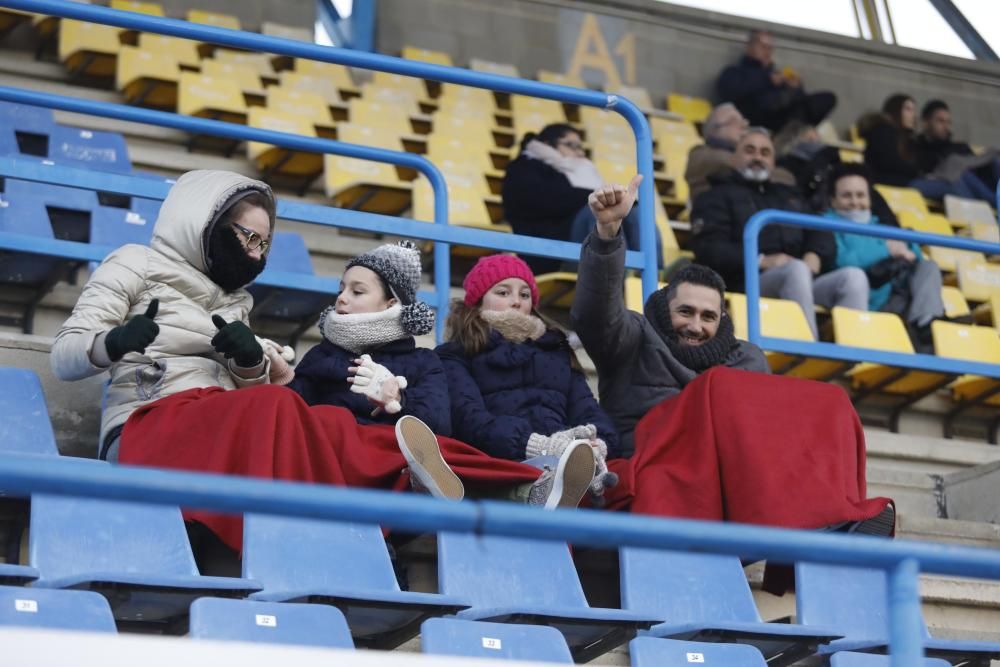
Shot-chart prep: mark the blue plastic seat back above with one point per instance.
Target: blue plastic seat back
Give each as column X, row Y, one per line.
column 26, row 118
column 852, row 601
column 652, row 652
column 479, row 639
column 494, row 571
column 848, row 659
column 51, row 195
column 115, row 227
column 289, row 253
column 269, row 622
column 24, row 417
column 76, row 537
column 8, row 140
column 91, row 148
column 684, row 587
column 24, row 215
column 55, row 609
column 286, row 554
column 149, row 209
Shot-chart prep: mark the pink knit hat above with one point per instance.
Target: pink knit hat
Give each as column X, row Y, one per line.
column 488, row 271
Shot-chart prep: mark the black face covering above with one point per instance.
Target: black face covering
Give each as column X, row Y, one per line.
column 230, row 266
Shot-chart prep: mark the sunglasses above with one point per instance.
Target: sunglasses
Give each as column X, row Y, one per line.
column 254, row 240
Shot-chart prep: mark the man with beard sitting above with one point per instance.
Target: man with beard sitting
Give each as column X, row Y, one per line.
column 708, row 440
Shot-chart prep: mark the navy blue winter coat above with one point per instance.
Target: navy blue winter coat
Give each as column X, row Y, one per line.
column 510, row 390
column 321, row 379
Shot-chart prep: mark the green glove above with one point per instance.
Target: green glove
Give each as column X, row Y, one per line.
column 235, row 341
column 133, row 336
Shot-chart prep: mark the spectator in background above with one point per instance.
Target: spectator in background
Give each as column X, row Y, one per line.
column 545, row 192
column 722, row 129
column 891, row 153
column 940, row 156
column 901, row 280
column 795, row 263
column 766, row 96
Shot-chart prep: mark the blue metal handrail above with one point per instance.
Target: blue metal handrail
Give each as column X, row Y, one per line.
column 926, row 362
column 902, row 560
column 297, row 49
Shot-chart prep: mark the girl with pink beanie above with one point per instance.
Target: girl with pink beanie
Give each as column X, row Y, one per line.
column 516, row 389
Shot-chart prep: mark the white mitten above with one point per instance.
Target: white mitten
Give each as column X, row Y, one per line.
column 281, row 356
column 369, row 377
column 602, row 478
column 549, row 445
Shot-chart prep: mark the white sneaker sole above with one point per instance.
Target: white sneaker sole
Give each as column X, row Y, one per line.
column 420, row 448
column 573, row 476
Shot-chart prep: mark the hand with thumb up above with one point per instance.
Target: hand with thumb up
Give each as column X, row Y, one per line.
column 135, row 335
column 236, row 341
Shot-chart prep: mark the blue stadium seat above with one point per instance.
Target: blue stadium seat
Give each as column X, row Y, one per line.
column 269, row 622
column 89, row 148
column 26, row 118
column 62, row 610
column 26, row 428
column 16, row 575
column 653, row 652
column 514, row 580
column 855, row 601
column 67, row 210
column 136, row 555
column 706, row 598
column 8, row 141
column 113, row 227
column 478, row 639
column 341, row 564
column 848, row 659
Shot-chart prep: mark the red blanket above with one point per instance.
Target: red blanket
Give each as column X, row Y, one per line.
column 753, row 448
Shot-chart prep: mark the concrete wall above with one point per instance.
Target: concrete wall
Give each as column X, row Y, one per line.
column 682, row 50
column 296, row 13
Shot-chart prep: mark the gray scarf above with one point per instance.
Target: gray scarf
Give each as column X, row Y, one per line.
column 362, row 331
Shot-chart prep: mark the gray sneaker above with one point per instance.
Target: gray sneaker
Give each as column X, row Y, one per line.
column 428, row 471
column 565, row 485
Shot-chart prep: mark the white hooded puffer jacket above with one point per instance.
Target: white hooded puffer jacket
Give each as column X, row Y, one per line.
column 173, row 270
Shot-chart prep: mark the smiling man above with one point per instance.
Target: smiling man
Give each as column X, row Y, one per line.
column 642, row 360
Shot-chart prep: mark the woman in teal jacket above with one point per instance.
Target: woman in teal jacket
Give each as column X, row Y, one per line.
column 901, row 279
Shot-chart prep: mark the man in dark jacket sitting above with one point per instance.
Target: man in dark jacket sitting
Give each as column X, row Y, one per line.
column 642, row 360
column 767, row 96
column 792, row 259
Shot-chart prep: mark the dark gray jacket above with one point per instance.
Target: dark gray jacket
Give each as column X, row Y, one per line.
column 635, row 368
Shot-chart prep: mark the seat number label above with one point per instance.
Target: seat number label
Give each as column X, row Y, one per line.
column 696, row 657
column 267, row 620
column 492, row 643
column 27, row 606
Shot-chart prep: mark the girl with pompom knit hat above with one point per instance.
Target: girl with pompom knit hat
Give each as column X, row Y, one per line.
column 516, row 390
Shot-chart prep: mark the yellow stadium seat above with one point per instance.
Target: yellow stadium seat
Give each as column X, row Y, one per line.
column 847, row 155
column 474, row 130
column 88, row 49
column 636, row 94
column 275, row 160
column 244, row 76
column 675, row 163
column 147, row 78
column 531, row 114
column 633, row 293
column 212, row 18
column 693, row 109
column 211, row 97
column 325, row 88
column 780, row 318
column 855, row 137
column 466, row 206
column 556, row 289
column 403, row 98
column 545, row 76
column 461, row 171
column 622, row 172
column 601, row 124
column 463, row 98
column 426, row 56
column 962, row 212
column 929, row 223
column 886, row 332
column 904, row 199
column 949, row 259
column 985, row 231
column 955, row 305
column 501, row 69
column 150, row 8
column 388, row 117
column 400, row 82
column 994, row 310
column 304, row 104
column 969, row 343
column 260, row 62
column 979, row 281
column 184, row 51
column 11, row 18
column 338, row 74
column 362, row 184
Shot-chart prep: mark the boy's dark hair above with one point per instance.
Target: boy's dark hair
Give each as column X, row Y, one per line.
column 697, row 274
column 931, row 107
column 550, row 134
column 846, row 169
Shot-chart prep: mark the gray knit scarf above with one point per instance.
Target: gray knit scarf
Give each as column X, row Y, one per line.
column 698, row 358
column 362, row 331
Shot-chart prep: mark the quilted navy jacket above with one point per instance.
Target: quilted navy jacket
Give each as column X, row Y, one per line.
column 510, row 390
column 321, row 379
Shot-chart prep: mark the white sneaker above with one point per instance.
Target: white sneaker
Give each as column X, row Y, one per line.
column 566, row 485
column 428, row 471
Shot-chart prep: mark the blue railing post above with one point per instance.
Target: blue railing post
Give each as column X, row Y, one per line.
column 906, row 627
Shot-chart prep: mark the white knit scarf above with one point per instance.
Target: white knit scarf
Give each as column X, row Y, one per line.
column 580, row 171
column 362, row 331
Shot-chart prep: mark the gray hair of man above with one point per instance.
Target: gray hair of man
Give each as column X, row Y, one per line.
column 714, row 121
column 756, row 129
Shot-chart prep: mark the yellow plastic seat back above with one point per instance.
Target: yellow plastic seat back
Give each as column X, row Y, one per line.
column 693, row 109
column 387, row 117
column 148, row 78
column 955, row 304
column 244, row 76
column 212, row 18
column 300, row 103
column 210, row 97
column 150, row 8
column 929, row 223
column 265, row 156
column 903, row 199
column 967, row 211
column 969, row 343
column 184, row 51
column 325, row 88
column 979, row 281
column 426, row 56
column 88, row 48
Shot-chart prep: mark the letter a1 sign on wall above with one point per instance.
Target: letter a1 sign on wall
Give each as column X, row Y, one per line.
column 598, row 49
